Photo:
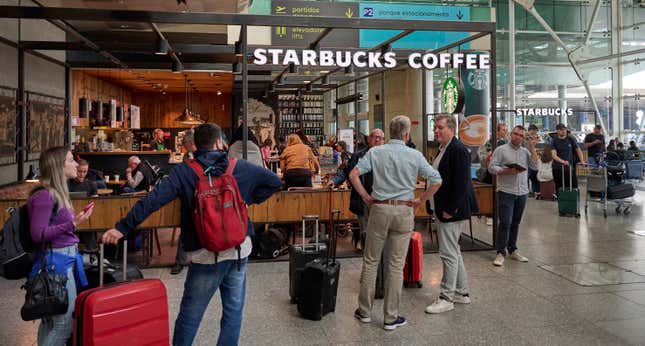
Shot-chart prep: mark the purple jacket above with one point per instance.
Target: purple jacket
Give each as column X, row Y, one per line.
column 60, row 232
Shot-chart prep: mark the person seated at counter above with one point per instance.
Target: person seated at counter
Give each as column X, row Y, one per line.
column 158, row 142
column 138, row 179
column 81, row 183
column 298, row 163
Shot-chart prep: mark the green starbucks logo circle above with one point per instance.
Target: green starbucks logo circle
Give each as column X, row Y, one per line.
column 452, row 96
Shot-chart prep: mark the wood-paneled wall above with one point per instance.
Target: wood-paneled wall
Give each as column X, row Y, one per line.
column 159, row 110
column 84, row 85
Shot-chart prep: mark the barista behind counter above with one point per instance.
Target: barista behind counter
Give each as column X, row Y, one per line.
column 159, row 141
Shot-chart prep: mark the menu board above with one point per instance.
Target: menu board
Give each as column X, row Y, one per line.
column 45, row 123
column 135, row 119
column 326, row 158
column 7, row 125
column 347, row 135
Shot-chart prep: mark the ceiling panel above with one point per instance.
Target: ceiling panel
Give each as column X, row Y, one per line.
column 154, row 80
column 226, row 6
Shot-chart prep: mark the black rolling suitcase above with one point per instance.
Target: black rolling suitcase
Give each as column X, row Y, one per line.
column 319, row 285
column 301, row 254
column 620, row 191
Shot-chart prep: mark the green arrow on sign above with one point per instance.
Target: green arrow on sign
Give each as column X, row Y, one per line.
column 349, row 13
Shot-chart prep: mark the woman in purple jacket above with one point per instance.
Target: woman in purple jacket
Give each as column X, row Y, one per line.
column 57, row 165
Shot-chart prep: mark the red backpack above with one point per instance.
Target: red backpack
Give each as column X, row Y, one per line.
column 220, row 215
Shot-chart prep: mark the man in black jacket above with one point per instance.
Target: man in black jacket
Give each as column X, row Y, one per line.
column 356, row 204
column 453, row 204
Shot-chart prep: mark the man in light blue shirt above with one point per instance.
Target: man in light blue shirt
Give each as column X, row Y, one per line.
column 395, row 169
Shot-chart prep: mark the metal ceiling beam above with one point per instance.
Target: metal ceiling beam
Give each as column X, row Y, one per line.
column 613, row 56
column 188, row 67
column 236, row 19
column 49, row 45
column 34, row 53
column 120, row 36
column 73, row 32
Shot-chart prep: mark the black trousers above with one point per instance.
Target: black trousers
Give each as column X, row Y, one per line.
column 557, row 177
column 297, row 180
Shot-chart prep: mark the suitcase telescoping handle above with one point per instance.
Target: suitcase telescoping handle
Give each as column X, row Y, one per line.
column 125, row 261
column 331, row 249
column 306, row 218
column 570, row 178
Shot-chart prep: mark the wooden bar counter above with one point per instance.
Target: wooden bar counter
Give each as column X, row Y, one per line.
column 284, row 206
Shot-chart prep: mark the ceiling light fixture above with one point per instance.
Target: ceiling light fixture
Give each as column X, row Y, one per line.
column 237, row 68
column 177, row 66
column 238, row 48
column 162, row 47
column 219, row 92
column 187, row 116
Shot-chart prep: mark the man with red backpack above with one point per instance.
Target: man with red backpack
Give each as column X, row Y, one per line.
column 215, row 230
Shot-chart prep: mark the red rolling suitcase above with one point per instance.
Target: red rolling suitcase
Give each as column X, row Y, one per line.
column 413, row 270
column 125, row 313
column 547, row 190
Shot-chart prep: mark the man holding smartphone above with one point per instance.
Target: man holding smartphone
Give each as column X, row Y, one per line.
column 510, row 162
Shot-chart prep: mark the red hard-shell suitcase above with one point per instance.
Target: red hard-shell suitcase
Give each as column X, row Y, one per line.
column 412, row 272
column 126, row 313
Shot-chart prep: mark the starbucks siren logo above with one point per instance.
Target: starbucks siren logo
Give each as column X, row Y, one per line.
column 478, row 79
column 452, row 98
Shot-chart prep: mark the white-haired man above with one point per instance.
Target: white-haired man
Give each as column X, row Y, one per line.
column 395, row 169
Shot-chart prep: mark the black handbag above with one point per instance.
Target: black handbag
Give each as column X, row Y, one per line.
column 46, row 293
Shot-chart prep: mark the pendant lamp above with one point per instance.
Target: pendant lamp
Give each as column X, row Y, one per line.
column 187, row 116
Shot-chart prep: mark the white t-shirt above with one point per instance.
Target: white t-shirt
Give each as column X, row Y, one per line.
column 545, row 171
column 203, row 256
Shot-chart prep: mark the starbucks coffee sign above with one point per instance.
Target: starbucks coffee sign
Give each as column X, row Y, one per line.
column 363, row 59
column 452, row 96
column 544, row 111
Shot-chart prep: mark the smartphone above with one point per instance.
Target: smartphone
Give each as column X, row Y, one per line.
column 88, row 206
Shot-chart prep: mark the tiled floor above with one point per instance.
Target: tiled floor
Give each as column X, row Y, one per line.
column 518, row 304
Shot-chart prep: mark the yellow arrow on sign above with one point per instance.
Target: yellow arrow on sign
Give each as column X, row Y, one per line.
column 349, row 13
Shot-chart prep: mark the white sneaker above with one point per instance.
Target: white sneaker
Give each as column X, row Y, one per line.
column 499, row 260
column 516, row 256
column 439, row 306
column 461, row 298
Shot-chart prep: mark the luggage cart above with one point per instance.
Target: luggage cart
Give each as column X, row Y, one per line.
column 597, row 185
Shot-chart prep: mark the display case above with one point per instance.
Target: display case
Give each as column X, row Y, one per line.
column 301, row 112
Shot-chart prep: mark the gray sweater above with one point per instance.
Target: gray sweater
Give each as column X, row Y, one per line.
column 254, row 155
column 502, row 157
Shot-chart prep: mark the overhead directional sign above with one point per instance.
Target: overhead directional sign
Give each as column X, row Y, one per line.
column 419, row 39
column 301, row 37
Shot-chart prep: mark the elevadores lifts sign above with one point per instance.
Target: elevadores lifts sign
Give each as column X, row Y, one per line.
column 365, row 59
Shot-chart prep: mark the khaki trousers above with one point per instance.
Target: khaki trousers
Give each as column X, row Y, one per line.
column 394, row 224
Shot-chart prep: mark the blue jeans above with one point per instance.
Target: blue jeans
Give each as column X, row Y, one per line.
column 510, row 209
column 202, row 282
column 55, row 330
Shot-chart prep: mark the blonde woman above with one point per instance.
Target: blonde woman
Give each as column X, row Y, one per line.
column 297, row 163
column 52, row 221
